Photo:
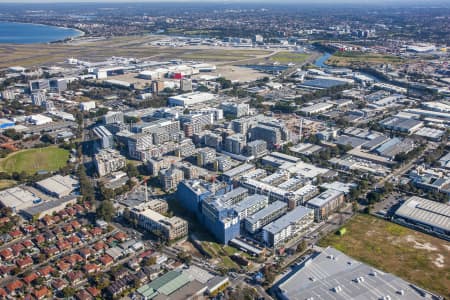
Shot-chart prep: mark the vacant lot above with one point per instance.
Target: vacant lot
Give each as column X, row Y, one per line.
column 222, row 55
column 346, row 59
column 221, row 254
column 4, row 184
column 285, row 57
column 411, row 255
column 33, row 160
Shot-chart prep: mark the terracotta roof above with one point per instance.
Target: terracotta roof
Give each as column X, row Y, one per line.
column 46, row 271
column 90, row 268
column 14, row 285
column 17, row 248
column 75, row 224
column 3, row 293
column 16, row 233
column 27, row 261
column 63, row 266
column 41, row 293
column 96, row 231
column 27, row 244
column 59, row 283
column 106, row 259
column 39, row 239
column 120, row 236
column 30, row 278
column 6, row 254
column 93, row 291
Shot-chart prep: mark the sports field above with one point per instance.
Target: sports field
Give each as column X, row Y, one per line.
column 33, row 160
column 411, row 255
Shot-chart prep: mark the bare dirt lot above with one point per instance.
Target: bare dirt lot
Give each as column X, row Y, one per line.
column 411, row 255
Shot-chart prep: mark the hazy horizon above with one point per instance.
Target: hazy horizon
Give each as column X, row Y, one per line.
column 423, row 2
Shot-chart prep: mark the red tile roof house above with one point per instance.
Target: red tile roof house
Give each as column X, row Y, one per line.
column 15, row 234
column 59, row 284
column 85, row 253
column 74, row 240
column 30, row 278
column 99, row 247
column 93, row 291
column 14, row 287
column 75, row 224
column 83, row 295
column 73, row 259
column 71, row 211
column 68, row 229
column 96, row 231
column 5, row 270
column 63, row 214
column 17, row 249
column 3, row 293
column 51, row 251
column 46, row 272
column 28, row 244
column 6, row 254
column 56, row 219
column 75, row 277
column 79, row 208
column 25, row 262
column 29, row 229
column 121, row 236
column 63, row 266
column 41, row 293
column 91, row 268
column 48, row 220
column 106, row 260
column 40, row 239
column 63, row 245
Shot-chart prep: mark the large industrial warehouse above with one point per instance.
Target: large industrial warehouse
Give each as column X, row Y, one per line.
column 428, row 215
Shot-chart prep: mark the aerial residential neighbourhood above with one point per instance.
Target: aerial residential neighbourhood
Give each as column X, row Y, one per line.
column 208, row 150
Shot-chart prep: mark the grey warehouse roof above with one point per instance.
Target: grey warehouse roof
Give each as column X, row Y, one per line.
column 426, row 211
column 333, row 275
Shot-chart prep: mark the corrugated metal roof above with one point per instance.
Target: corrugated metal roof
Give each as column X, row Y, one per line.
column 174, row 284
column 426, row 211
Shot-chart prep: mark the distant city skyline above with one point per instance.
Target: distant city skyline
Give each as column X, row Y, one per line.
column 423, row 2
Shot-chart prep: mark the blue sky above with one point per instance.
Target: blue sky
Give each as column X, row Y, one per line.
column 237, row 1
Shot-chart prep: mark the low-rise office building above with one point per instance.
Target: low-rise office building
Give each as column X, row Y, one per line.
column 273, row 211
column 294, row 223
column 169, row 228
column 108, row 161
column 325, row 203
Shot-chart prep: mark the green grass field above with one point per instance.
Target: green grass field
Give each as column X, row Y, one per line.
column 411, row 255
column 289, row 57
column 33, row 160
column 346, row 59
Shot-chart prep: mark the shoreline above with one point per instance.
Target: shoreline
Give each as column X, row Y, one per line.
column 79, row 33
